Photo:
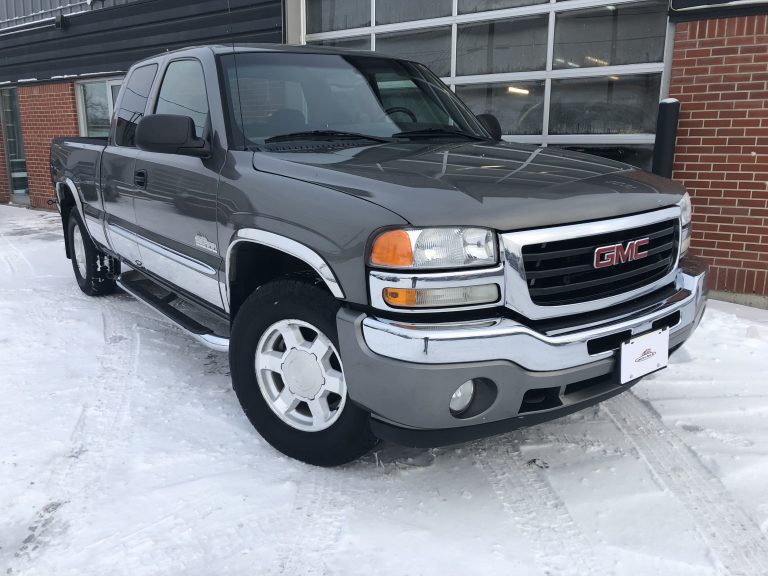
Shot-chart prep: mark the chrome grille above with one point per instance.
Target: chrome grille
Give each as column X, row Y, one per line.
column 562, row 272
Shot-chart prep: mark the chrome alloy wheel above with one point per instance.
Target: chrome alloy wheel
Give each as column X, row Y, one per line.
column 300, row 375
column 79, row 245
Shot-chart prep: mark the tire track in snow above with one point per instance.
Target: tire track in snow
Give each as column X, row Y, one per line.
column 99, row 425
column 318, row 512
column 13, row 257
column 559, row 545
column 734, row 539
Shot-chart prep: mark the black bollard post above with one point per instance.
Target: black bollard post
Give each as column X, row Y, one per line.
column 666, row 137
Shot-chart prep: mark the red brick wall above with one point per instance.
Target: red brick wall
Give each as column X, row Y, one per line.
column 47, row 111
column 4, row 185
column 720, row 76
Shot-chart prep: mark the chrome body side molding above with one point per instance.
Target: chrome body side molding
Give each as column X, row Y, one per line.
column 191, row 275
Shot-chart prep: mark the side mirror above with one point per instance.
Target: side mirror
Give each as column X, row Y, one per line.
column 491, row 123
column 170, row 134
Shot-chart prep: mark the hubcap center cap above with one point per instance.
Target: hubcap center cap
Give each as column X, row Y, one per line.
column 302, row 374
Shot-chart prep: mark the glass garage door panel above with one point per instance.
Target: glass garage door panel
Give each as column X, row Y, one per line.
column 500, row 46
column 610, row 36
column 328, row 15
column 431, row 47
column 392, row 11
column 14, row 147
column 472, row 6
column 356, row 43
column 635, row 155
column 519, row 106
column 605, row 105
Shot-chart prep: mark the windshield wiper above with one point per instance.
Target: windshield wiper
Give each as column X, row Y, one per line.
column 430, row 132
column 324, row 135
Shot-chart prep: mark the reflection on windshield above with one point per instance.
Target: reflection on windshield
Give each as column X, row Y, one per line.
column 274, row 94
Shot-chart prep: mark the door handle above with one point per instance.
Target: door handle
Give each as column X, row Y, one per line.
column 140, row 178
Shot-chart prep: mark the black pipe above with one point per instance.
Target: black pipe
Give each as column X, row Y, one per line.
column 666, row 137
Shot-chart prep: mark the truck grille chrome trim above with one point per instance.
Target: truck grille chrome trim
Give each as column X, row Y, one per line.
column 564, row 272
column 551, row 273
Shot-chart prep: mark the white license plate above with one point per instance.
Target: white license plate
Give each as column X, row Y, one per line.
column 644, row 354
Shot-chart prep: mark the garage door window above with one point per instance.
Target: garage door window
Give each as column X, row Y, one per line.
column 562, row 73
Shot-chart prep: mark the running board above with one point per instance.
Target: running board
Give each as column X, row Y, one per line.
column 131, row 282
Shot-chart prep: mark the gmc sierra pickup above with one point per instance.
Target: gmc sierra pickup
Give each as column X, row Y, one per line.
column 377, row 262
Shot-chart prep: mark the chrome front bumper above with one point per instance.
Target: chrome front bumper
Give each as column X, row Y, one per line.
column 404, row 373
column 506, row 339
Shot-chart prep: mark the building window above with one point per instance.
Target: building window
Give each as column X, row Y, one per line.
column 554, row 72
column 95, row 106
column 15, row 159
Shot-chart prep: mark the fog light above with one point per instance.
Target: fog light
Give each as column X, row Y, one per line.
column 462, row 398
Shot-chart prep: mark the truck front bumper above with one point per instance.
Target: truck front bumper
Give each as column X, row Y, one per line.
column 406, row 373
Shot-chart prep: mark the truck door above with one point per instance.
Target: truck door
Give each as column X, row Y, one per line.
column 119, row 182
column 176, row 206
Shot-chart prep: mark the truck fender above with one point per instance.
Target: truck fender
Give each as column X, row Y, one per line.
column 67, row 195
column 287, row 246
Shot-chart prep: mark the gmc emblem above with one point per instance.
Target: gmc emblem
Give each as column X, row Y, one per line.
column 606, row 256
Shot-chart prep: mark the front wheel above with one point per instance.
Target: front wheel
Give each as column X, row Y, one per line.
column 289, row 378
column 94, row 271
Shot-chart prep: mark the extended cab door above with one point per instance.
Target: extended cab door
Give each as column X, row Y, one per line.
column 176, row 206
column 118, row 174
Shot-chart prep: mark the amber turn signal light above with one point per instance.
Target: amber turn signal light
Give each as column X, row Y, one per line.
column 392, row 249
column 400, row 297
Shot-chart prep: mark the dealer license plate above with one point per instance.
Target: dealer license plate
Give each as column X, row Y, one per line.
column 644, row 354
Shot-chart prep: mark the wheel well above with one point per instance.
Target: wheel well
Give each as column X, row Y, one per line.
column 253, row 265
column 66, row 205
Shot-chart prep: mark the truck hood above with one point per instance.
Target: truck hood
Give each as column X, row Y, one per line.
column 503, row 186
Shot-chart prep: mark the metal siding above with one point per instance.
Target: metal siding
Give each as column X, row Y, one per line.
column 111, row 39
column 20, row 12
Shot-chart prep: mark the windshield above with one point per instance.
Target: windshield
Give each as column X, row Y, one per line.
column 330, row 96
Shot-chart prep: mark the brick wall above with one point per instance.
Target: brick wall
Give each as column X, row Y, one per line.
column 47, row 111
column 720, row 76
column 4, row 184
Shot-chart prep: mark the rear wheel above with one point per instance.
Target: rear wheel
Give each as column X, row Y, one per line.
column 94, row 271
column 289, row 377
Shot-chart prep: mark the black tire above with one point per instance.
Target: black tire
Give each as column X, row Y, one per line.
column 350, row 436
column 97, row 277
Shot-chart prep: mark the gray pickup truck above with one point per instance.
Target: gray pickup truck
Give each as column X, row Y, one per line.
column 377, row 262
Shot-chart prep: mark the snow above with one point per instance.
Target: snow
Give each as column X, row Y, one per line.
column 123, row 451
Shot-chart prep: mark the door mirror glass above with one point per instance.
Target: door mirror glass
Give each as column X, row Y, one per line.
column 491, row 123
column 170, row 134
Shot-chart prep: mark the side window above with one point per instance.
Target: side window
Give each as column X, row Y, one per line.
column 183, row 93
column 134, row 103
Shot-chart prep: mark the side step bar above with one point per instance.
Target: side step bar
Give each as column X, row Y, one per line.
column 131, row 282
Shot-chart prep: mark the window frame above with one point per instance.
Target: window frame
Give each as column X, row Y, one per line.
column 551, row 9
column 82, row 118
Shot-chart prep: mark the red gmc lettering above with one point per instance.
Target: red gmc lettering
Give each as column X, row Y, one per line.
column 606, row 256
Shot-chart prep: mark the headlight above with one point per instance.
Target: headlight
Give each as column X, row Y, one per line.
column 430, row 248
column 687, row 210
column 685, row 221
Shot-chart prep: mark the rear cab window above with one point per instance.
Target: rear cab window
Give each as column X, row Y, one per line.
column 133, row 104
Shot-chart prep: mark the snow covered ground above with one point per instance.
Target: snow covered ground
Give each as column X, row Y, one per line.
column 123, row 451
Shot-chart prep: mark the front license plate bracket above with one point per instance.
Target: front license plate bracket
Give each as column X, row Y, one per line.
column 644, row 354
